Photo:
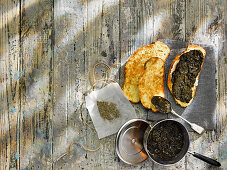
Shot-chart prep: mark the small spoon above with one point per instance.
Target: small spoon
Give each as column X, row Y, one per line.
column 164, row 106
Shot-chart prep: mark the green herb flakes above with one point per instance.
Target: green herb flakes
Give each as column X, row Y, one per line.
column 108, row 110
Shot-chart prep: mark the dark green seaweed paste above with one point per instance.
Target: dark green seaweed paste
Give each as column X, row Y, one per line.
column 165, row 141
column 185, row 74
column 161, row 104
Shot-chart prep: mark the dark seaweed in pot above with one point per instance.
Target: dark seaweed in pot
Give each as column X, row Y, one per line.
column 165, row 141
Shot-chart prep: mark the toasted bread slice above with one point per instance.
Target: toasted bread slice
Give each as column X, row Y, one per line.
column 134, row 68
column 152, row 82
column 173, row 68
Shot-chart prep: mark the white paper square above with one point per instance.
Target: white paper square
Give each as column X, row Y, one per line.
column 110, row 93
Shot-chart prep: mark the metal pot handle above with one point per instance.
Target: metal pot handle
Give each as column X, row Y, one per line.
column 205, row 159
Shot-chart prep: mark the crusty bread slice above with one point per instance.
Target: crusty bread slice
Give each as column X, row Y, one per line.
column 152, row 82
column 173, row 67
column 134, row 68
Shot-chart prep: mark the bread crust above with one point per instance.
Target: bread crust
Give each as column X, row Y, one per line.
column 134, row 67
column 173, row 67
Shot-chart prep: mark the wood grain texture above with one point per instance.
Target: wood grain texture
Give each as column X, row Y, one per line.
column 36, row 84
column 69, row 82
column 47, row 51
column 203, row 26
column 10, row 85
column 27, row 66
column 102, row 45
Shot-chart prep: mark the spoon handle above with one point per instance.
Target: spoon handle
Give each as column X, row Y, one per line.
column 194, row 126
column 172, row 111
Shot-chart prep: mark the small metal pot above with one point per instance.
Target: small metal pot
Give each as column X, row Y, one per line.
column 182, row 152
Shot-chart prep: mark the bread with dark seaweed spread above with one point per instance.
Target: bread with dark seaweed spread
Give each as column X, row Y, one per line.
column 184, row 74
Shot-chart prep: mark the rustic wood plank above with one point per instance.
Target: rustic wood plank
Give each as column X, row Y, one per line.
column 102, row 45
column 204, row 25
column 221, row 136
column 10, row 94
column 169, row 20
column 36, row 84
column 69, row 83
column 4, row 110
column 222, row 91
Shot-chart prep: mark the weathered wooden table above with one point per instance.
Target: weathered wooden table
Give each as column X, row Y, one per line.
column 47, row 50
